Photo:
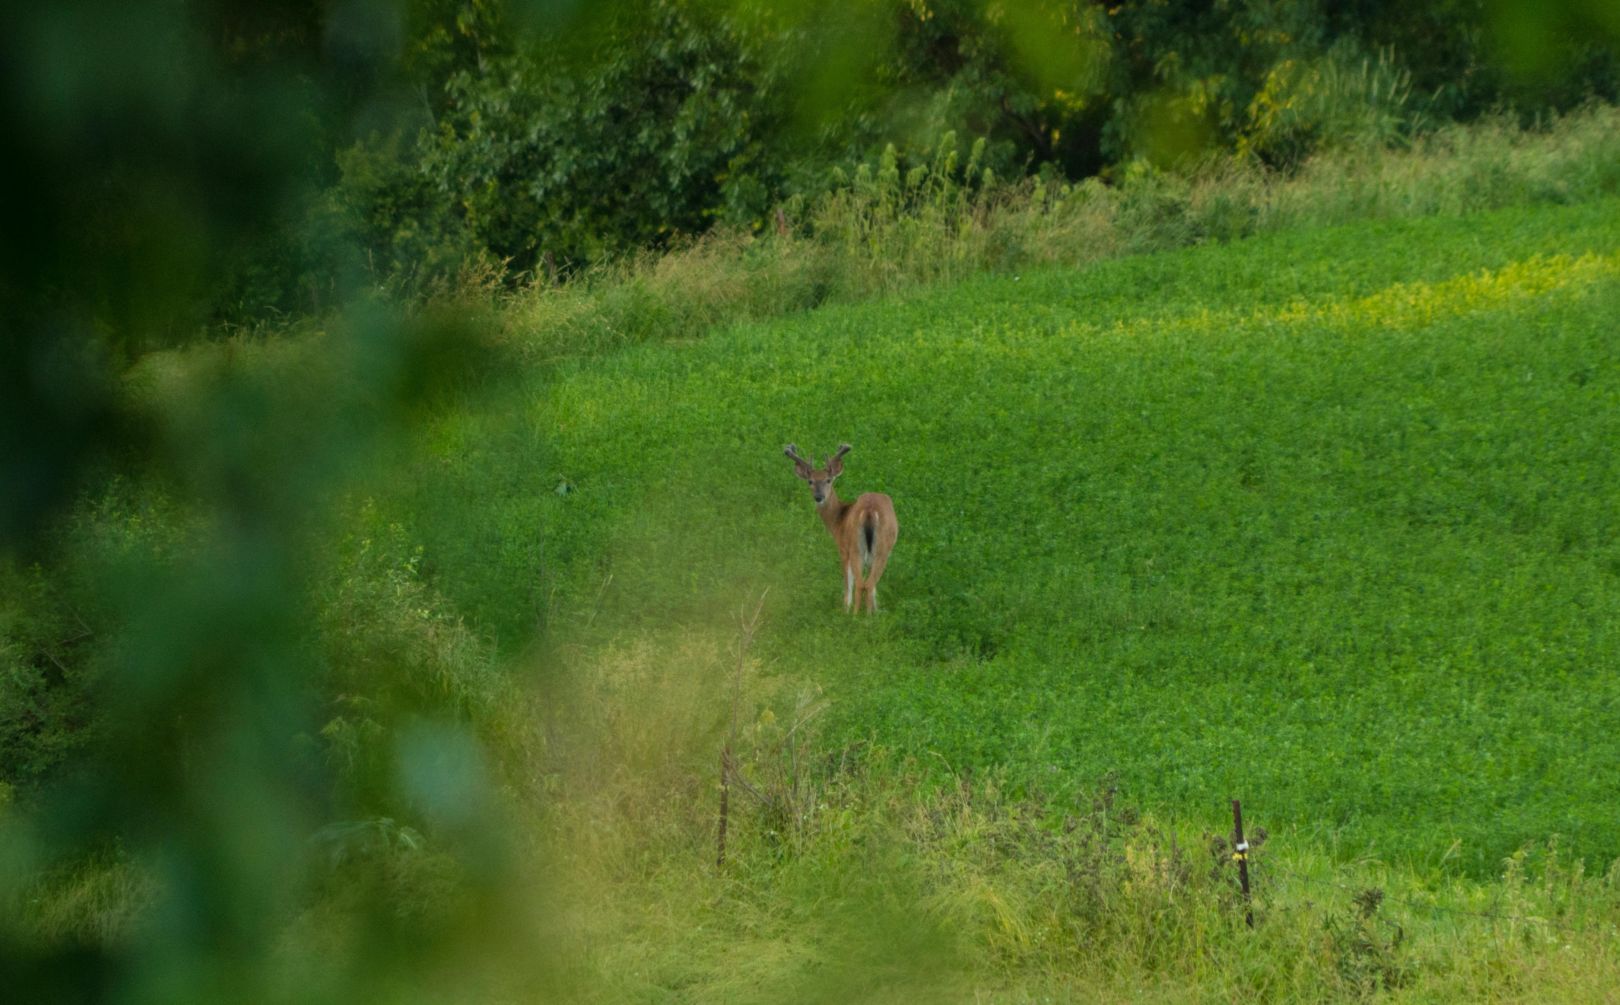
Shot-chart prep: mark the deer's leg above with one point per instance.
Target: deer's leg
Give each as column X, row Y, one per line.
column 849, row 586
column 879, row 560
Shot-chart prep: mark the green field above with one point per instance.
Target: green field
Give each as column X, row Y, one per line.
column 1325, row 521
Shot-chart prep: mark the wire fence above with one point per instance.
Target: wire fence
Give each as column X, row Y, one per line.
column 1268, row 871
column 1263, row 875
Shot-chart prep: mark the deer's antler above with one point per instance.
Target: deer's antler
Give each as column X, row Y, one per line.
column 835, row 463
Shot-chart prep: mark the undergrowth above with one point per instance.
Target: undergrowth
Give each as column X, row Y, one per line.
column 897, row 884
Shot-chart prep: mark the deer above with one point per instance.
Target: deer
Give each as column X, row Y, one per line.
column 864, row 530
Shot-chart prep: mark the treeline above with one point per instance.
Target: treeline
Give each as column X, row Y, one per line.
column 304, row 146
column 541, row 142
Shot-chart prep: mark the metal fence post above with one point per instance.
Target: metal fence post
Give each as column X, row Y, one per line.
column 1240, row 852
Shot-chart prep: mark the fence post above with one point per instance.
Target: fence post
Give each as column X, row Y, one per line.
column 725, row 805
column 1240, row 852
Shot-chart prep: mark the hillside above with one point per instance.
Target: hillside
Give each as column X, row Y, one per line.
column 1322, row 520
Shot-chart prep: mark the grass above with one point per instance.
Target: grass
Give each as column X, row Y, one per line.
column 966, row 894
column 1311, row 520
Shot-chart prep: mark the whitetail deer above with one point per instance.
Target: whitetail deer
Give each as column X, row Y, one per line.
column 864, row 530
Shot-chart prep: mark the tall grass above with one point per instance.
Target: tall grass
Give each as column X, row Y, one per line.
column 898, row 888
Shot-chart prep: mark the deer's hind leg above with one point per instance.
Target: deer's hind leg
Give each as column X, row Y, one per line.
column 872, row 576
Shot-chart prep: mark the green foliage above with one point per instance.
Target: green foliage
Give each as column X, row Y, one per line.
column 1473, row 57
column 217, row 604
column 1367, row 949
column 536, row 152
column 1405, row 577
column 407, row 141
column 297, row 757
column 1303, row 108
column 400, row 667
column 45, row 712
column 577, row 140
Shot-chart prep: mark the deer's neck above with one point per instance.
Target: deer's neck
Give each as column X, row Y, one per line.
column 832, row 511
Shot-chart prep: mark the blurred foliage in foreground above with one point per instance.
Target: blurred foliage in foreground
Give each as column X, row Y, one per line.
column 166, row 708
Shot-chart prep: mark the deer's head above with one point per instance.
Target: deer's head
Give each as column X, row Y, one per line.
column 821, row 478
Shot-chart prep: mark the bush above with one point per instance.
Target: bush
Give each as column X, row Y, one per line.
column 539, row 156
column 44, row 678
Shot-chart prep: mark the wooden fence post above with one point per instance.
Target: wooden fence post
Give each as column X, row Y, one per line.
column 725, row 805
